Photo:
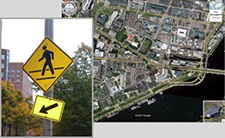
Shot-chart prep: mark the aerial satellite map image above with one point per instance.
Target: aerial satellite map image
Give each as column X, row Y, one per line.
column 214, row 111
column 157, row 60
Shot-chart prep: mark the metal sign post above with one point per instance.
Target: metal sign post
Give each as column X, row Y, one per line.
column 47, row 124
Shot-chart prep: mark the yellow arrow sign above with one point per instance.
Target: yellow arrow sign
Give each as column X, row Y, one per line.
column 48, row 108
column 47, row 64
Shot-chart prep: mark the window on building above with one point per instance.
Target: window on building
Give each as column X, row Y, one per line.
column 17, row 84
column 12, row 75
column 17, row 75
column 18, row 70
column 13, row 70
column 3, row 57
column 17, row 79
column 2, row 74
column 12, row 80
column 3, row 65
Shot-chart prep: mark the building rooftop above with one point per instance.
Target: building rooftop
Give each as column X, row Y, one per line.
column 163, row 76
column 166, row 29
column 102, row 19
column 197, row 34
column 100, row 45
column 175, row 40
column 134, row 44
column 118, row 2
column 179, row 12
column 112, row 87
column 99, row 53
column 169, row 21
column 182, row 32
column 155, row 8
column 111, row 19
column 161, row 45
column 137, row 4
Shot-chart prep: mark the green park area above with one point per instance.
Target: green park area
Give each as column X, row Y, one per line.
column 186, row 77
column 159, row 87
column 107, row 11
column 104, row 112
column 145, row 46
column 148, row 15
column 97, row 7
column 106, row 30
column 121, row 36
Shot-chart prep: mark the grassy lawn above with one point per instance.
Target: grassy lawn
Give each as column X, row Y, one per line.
column 191, row 77
column 105, row 30
column 119, row 97
column 159, row 87
column 115, row 74
column 173, row 51
column 96, row 95
column 121, row 36
column 105, row 112
column 96, row 7
column 204, row 56
column 130, row 11
column 145, row 60
column 108, row 11
column 97, row 110
column 128, row 82
column 147, row 43
column 165, row 57
column 136, row 40
column 133, row 94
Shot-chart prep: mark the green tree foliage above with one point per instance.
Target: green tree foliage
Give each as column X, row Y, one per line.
column 16, row 112
column 8, row 104
column 75, row 88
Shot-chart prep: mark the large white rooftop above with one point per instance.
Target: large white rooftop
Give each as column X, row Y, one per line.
column 182, row 32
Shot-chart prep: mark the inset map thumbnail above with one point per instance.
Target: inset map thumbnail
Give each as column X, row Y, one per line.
column 214, row 111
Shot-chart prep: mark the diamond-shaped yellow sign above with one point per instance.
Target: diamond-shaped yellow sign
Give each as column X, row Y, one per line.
column 47, row 64
column 48, row 108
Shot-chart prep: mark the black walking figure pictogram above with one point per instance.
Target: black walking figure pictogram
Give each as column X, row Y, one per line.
column 47, row 55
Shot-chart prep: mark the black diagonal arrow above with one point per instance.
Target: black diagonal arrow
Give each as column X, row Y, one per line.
column 44, row 110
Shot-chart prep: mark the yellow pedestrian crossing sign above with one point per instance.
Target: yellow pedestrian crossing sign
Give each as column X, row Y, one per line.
column 47, row 64
column 48, row 108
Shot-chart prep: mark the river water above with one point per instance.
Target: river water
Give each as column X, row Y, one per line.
column 180, row 104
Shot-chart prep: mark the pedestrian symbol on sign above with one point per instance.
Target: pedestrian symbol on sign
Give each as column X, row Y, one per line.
column 48, row 55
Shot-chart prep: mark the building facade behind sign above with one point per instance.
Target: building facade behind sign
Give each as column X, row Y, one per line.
column 19, row 79
column 5, row 65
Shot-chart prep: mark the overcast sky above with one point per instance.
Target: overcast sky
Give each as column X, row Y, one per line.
column 23, row 36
